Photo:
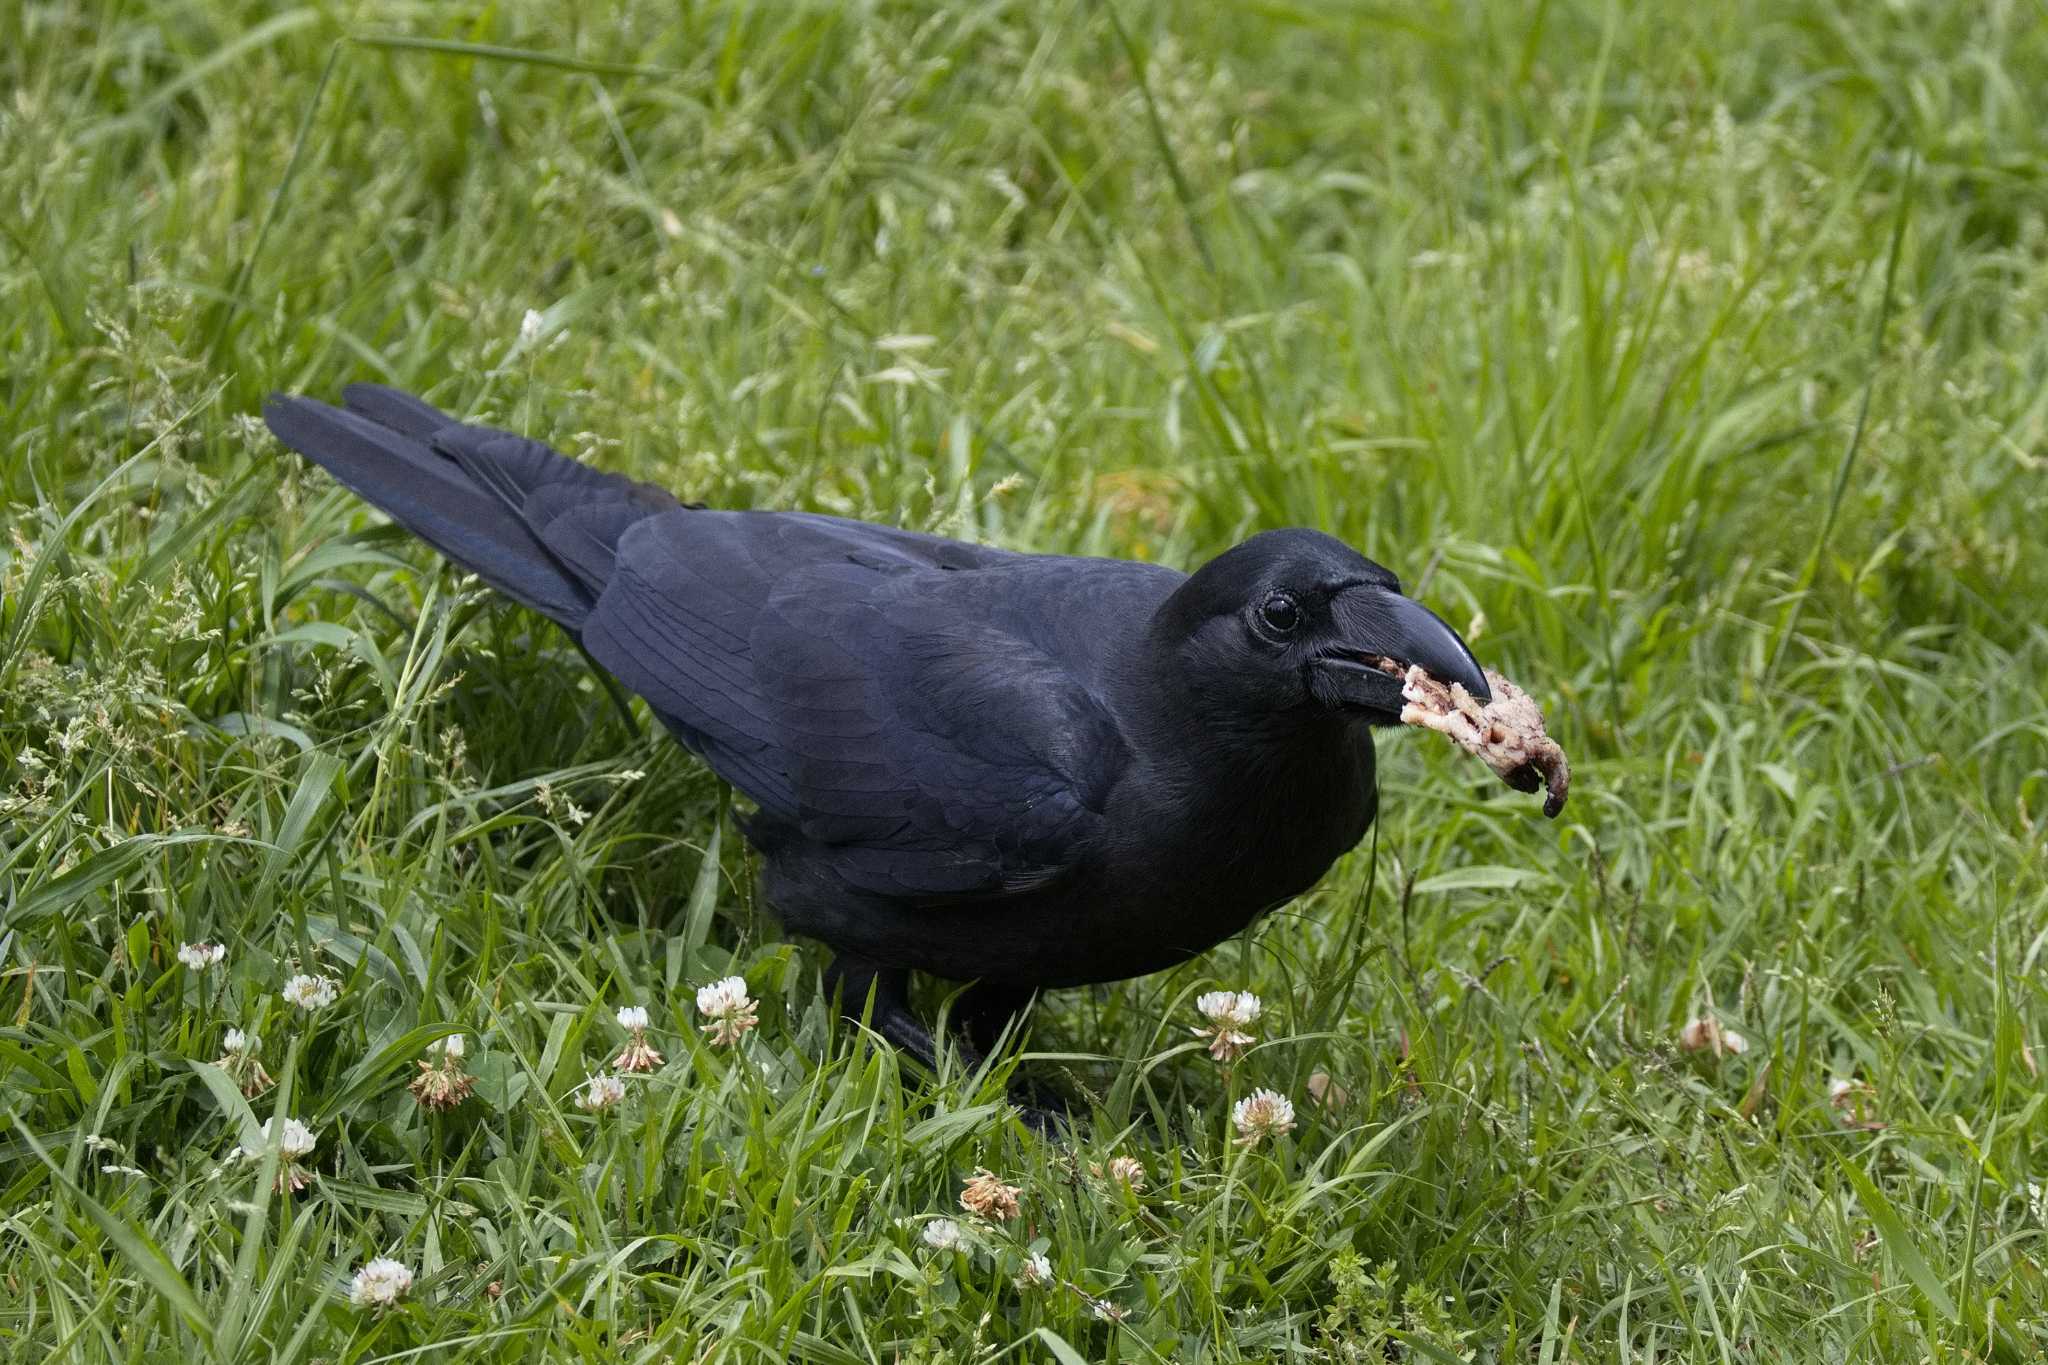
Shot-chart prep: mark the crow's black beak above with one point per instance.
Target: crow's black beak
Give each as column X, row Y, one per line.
column 1376, row 623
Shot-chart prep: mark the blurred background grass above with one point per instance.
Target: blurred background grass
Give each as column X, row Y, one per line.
column 1691, row 357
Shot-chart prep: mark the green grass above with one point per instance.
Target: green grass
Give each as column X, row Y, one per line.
column 1692, row 355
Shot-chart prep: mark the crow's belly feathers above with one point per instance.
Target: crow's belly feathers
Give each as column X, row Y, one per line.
column 1069, row 934
column 1107, row 919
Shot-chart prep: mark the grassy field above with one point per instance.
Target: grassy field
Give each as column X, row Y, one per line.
column 1691, row 356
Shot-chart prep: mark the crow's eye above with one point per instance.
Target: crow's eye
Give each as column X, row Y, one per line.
column 1280, row 612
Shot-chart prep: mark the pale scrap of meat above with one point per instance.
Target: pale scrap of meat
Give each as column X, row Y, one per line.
column 1506, row 734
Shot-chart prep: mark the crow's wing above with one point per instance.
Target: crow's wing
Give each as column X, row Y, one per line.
column 871, row 690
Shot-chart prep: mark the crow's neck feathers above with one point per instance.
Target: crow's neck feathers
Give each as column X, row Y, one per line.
column 1289, row 769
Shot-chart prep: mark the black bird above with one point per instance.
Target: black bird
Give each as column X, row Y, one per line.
column 1019, row 771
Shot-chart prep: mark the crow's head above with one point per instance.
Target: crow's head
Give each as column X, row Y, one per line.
column 1295, row 621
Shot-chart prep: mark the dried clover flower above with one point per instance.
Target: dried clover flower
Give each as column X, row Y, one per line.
column 445, row 1085
column 988, row 1197
column 238, row 1059
column 1855, row 1104
column 1705, row 1034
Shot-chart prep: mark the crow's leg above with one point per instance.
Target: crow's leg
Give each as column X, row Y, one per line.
column 986, row 1008
column 853, row 978
column 983, row 1011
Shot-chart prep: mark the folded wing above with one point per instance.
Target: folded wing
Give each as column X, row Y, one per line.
column 861, row 689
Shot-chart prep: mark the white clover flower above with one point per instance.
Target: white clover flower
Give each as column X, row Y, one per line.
column 238, row 1041
column 295, row 1142
column 1231, row 1015
column 943, row 1234
column 1036, row 1272
column 298, row 1140
column 1127, row 1170
column 200, row 956
column 1262, row 1114
column 600, row 1092
column 639, row 1054
column 722, row 997
column 529, row 327
column 1238, row 1009
column 729, row 1008
column 381, row 1283
column 1105, row 1311
column 311, row 992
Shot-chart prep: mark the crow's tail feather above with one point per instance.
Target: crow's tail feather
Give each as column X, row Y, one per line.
column 533, row 523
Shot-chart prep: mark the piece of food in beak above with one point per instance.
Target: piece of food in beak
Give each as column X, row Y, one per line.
column 1506, row 733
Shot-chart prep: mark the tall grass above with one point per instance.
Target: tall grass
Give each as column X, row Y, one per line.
column 1689, row 359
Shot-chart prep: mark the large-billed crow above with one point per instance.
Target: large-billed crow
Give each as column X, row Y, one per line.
column 1020, row 771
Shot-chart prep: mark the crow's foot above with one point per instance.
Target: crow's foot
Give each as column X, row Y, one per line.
column 987, row 1008
column 881, row 996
